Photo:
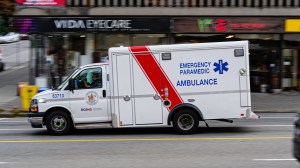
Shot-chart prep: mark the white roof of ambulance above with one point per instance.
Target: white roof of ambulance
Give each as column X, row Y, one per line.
column 174, row 47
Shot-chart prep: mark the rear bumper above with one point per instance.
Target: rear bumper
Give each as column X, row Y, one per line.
column 36, row 119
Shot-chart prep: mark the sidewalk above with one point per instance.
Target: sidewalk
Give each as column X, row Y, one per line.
column 10, row 104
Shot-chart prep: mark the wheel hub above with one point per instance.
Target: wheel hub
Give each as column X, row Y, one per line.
column 185, row 121
column 58, row 123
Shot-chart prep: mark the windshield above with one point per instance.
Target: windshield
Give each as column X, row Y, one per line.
column 67, row 79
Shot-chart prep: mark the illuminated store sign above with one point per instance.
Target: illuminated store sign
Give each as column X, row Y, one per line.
column 230, row 25
column 92, row 24
column 41, row 2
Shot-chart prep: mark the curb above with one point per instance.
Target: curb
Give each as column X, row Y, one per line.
column 15, row 112
column 12, row 115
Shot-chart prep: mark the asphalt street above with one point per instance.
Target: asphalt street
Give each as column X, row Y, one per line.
column 263, row 143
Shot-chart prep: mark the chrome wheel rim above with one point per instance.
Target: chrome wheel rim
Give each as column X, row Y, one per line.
column 185, row 122
column 58, row 123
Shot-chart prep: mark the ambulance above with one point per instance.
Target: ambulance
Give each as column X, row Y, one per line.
column 176, row 85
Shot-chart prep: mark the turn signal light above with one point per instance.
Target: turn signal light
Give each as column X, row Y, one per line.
column 34, row 109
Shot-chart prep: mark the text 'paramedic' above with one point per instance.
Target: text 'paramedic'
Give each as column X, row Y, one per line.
column 194, row 68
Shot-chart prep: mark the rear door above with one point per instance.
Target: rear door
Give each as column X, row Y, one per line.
column 243, row 76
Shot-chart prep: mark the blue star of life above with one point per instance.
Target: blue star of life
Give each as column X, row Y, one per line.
column 221, row 66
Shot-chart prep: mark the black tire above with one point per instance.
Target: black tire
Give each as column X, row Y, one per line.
column 185, row 121
column 59, row 123
column 1, row 66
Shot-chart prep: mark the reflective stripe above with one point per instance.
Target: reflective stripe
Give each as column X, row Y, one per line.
column 155, row 74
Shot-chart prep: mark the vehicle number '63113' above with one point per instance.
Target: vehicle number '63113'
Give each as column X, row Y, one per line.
column 58, row 96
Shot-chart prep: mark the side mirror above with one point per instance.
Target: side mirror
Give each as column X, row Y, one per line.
column 71, row 84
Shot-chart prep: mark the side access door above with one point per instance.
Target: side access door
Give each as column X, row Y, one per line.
column 138, row 102
column 88, row 101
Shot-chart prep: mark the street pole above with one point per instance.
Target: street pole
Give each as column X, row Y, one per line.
column 18, row 53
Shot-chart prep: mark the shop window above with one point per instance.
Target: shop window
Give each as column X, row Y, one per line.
column 77, row 43
column 105, row 41
column 291, row 61
column 149, row 39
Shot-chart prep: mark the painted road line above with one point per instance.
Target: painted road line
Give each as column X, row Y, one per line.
column 14, row 121
column 16, row 129
column 277, row 117
column 3, row 162
column 274, row 159
column 268, row 126
column 145, row 139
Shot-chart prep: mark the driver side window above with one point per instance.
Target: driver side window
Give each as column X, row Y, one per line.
column 89, row 79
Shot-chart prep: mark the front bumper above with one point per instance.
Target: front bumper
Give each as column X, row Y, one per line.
column 36, row 119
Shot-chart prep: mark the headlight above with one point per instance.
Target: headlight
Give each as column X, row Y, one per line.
column 33, row 106
column 42, row 100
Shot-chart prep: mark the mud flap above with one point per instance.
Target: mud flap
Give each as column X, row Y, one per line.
column 251, row 115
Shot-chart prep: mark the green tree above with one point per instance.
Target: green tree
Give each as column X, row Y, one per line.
column 6, row 12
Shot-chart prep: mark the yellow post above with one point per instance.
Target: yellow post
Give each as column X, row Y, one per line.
column 27, row 93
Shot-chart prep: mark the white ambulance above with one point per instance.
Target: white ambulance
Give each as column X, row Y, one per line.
column 146, row 86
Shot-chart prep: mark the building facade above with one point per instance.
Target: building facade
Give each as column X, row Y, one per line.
column 78, row 32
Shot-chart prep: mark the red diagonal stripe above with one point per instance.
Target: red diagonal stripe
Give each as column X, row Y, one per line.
column 155, row 74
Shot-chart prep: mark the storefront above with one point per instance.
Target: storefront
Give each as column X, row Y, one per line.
column 61, row 44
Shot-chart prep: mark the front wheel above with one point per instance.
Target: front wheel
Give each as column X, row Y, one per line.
column 59, row 123
column 185, row 121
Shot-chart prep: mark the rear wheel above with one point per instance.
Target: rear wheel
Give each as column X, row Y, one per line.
column 59, row 123
column 185, row 121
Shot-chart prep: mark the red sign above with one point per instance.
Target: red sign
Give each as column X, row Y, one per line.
column 41, row 2
column 228, row 25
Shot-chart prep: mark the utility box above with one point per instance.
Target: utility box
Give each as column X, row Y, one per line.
column 27, row 93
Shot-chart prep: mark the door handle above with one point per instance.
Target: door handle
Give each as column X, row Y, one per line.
column 156, row 97
column 242, row 71
column 104, row 93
